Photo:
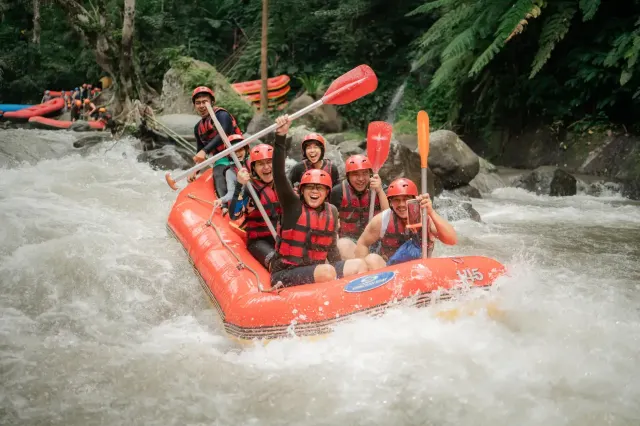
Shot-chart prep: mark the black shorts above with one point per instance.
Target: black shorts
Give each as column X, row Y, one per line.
column 302, row 274
column 262, row 250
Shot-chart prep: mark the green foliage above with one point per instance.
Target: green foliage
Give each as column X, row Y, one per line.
column 553, row 31
column 313, row 85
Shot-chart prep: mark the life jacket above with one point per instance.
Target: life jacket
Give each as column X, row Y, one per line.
column 309, row 241
column 326, row 165
column 396, row 234
column 354, row 211
column 207, row 131
column 254, row 224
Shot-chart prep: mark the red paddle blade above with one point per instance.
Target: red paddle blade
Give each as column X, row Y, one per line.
column 353, row 85
column 423, row 138
column 378, row 142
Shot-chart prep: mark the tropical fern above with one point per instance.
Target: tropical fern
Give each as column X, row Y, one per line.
column 462, row 43
column 508, row 22
column 429, row 6
column 554, row 29
column 589, row 8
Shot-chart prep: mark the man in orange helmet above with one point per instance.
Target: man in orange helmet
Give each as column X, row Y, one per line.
column 306, row 251
column 208, row 140
column 76, row 110
column 351, row 197
column 390, row 228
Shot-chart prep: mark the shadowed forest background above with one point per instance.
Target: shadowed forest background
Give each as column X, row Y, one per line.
column 483, row 68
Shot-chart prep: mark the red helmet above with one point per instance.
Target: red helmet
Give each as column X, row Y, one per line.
column 316, row 176
column 316, row 137
column 357, row 162
column 260, row 152
column 202, row 89
column 402, row 186
column 235, row 138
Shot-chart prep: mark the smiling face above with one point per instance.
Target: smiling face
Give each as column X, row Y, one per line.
column 263, row 169
column 200, row 103
column 240, row 153
column 314, row 194
column 399, row 205
column 359, row 179
column 313, row 151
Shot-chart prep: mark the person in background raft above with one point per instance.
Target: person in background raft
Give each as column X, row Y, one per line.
column 208, row 140
column 231, row 172
column 313, row 150
column 88, row 109
column 398, row 243
column 46, row 97
column 76, row 110
column 351, row 197
column 307, row 233
column 260, row 242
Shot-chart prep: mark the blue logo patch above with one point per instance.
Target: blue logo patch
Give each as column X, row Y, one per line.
column 369, row 282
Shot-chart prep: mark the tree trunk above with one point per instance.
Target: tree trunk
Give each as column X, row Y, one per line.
column 264, row 101
column 126, row 54
column 36, row 22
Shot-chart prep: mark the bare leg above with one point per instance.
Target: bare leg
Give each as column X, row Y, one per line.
column 347, row 248
column 375, row 261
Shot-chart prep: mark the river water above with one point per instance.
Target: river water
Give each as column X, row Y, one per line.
column 103, row 322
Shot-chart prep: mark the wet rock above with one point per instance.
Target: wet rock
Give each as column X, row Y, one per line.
column 486, row 167
column 453, row 210
column 323, row 119
column 182, row 124
column 80, row 126
column 349, row 148
column 451, row 159
column 547, row 180
column 260, row 122
column 410, row 141
column 165, row 158
column 90, row 140
column 467, row 191
column 599, row 187
column 335, row 138
column 486, row 183
column 403, row 162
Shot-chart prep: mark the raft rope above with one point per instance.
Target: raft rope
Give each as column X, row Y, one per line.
column 176, row 137
column 241, row 264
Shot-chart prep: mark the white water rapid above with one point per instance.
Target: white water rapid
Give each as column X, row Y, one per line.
column 103, row 322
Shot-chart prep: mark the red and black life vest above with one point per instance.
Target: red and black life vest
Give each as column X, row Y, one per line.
column 326, row 165
column 207, row 131
column 354, row 211
column 254, row 223
column 397, row 234
column 309, row 241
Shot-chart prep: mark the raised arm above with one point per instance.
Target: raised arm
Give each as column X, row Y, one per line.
column 292, row 206
column 443, row 229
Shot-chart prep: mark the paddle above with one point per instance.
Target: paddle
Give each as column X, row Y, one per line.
column 378, row 141
column 347, row 88
column 423, row 147
column 234, row 157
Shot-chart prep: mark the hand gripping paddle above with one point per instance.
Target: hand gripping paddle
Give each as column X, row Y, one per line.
column 378, row 142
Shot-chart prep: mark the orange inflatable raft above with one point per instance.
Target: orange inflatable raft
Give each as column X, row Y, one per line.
column 254, row 86
column 239, row 286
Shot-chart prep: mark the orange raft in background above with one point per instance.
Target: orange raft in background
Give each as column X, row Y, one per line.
column 50, row 123
column 239, row 287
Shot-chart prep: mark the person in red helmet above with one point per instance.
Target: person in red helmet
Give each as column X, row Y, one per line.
column 208, row 141
column 351, row 197
column 231, row 172
column 313, row 150
column 306, row 250
column 260, row 242
column 390, row 226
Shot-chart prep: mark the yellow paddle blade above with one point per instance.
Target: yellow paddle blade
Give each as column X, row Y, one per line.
column 423, row 138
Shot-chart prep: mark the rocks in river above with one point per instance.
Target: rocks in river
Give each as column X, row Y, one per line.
column 323, row 119
column 451, row 159
column 547, row 180
column 403, row 162
column 182, row 124
column 349, row 148
column 260, row 122
column 467, row 191
column 91, row 140
column 453, row 210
